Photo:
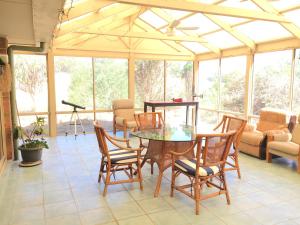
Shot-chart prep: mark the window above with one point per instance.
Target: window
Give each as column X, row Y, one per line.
column 232, row 91
column 149, row 81
column 31, row 88
column 296, row 94
column 179, row 80
column 271, row 80
column 208, row 83
column 31, row 83
column 73, row 82
column 111, row 81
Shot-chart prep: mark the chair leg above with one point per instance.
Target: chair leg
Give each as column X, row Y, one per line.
column 237, row 165
column 114, row 129
column 197, row 190
column 130, row 170
column 222, row 177
column 101, row 170
column 125, row 132
column 151, row 163
column 107, row 180
column 268, row 156
column 172, row 182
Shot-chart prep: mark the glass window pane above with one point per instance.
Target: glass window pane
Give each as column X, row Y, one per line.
column 111, row 81
column 232, row 90
column 208, row 83
column 27, row 123
column 149, row 81
column 179, row 80
column 31, row 83
column 73, row 82
column 296, row 94
column 271, row 80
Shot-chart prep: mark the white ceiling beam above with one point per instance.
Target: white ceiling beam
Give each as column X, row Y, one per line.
column 82, row 8
column 267, row 7
column 207, row 8
column 238, row 35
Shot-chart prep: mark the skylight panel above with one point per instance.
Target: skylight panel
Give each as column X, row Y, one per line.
column 294, row 16
column 153, row 19
column 176, row 14
column 198, row 20
column 240, row 4
column 283, row 4
column 222, row 40
column 261, row 31
column 231, row 20
column 195, row 47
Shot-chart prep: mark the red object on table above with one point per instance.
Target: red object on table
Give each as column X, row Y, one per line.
column 177, row 99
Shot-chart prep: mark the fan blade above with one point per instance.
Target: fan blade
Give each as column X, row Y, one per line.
column 174, row 23
column 187, row 28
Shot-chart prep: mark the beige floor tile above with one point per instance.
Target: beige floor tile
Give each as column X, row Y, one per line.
column 168, row 217
column 118, row 197
column 126, row 210
column 60, row 209
column 136, row 220
column 72, row 219
column 154, row 205
column 85, row 204
column 96, row 216
column 28, row 214
column 58, row 196
column 28, row 199
column 240, row 218
column 32, row 222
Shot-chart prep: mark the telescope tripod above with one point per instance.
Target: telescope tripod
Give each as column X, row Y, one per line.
column 73, row 121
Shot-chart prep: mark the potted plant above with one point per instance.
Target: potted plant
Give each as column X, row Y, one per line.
column 33, row 142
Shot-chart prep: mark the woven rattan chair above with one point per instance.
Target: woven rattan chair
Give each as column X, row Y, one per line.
column 120, row 158
column 229, row 123
column 148, row 120
column 211, row 155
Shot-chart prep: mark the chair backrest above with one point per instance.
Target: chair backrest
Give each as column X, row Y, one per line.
column 296, row 132
column 231, row 123
column 270, row 119
column 123, row 108
column 213, row 149
column 149, row 120
column 100, row 133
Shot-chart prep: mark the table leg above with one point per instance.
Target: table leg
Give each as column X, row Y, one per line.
column 145, row 107
column 153, row 108
column 161, row 171
column 187, row 115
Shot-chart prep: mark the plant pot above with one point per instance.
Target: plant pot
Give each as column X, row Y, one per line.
column 31, row 157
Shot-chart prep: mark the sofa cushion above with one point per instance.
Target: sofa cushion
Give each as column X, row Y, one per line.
column 252, row 138
column 122, row 104
column 130, row 123
column 125, row 113
column 285, row 147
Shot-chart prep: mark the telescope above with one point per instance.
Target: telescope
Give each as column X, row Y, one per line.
column 72, row 104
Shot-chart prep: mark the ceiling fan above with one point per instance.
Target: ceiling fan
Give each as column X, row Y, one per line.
column 174, row 25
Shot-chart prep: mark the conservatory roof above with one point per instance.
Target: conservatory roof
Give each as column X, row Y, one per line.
column 175, row 27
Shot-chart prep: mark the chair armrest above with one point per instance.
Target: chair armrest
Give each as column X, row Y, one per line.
column 184, row 152
column 250, row 127
column 279, row 135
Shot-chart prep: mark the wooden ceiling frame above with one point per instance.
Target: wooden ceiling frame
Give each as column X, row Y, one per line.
column 267, row 7
column 207, row 8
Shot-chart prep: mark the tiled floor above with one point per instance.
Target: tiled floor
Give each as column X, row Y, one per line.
column 64, row 191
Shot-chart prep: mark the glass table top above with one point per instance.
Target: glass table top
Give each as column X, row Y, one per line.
column 170, row 133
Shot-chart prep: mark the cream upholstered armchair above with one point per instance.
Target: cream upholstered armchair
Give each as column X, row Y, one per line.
column 253, row 140
column 123, row 110
column 285, row 145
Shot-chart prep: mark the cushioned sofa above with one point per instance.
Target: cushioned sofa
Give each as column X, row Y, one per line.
column 253, row 140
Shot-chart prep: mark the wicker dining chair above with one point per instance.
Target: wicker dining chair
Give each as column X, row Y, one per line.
column 211, row 154
column 229, row 123
column 119, row 158
column 148, row 120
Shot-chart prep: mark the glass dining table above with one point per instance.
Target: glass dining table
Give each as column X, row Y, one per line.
column 164, row 140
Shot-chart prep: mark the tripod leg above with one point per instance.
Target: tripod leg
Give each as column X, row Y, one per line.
column 80, row 122
column 69, row 125
column 75, row 124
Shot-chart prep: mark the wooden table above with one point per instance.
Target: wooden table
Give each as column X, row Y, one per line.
column 164, row 140
column 155, row 104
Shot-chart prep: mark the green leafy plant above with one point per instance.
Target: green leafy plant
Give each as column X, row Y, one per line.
column 32, row 139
